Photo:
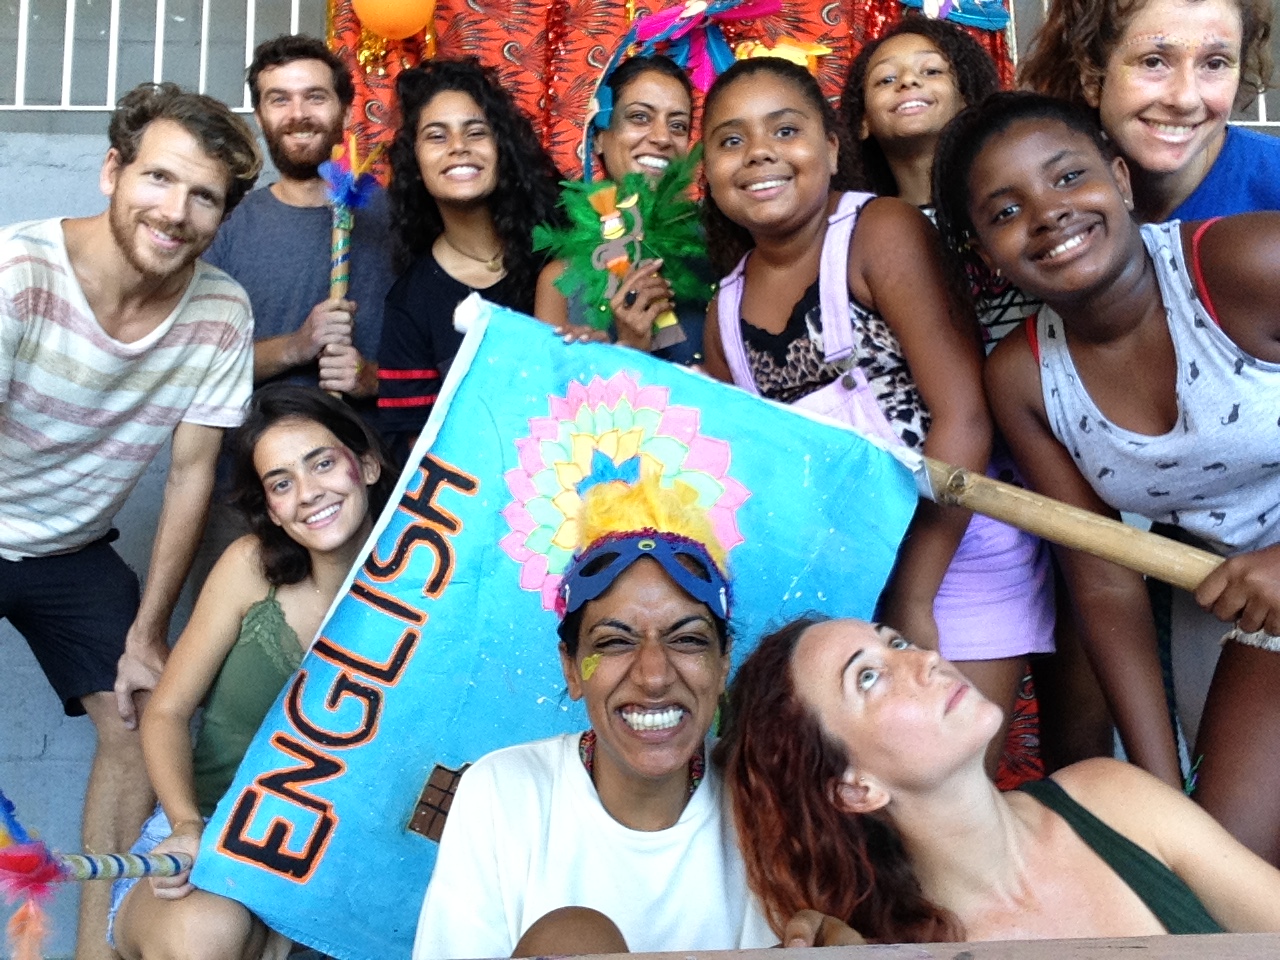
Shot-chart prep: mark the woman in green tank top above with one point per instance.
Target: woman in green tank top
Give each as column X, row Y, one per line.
column 311, row 477
column 854, row 762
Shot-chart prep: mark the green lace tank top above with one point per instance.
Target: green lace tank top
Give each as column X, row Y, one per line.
column 265, row 655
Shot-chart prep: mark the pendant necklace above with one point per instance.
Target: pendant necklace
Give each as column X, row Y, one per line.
column 492, row 264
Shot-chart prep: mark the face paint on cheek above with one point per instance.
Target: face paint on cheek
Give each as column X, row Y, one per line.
column 353, row 466
column 589, row 665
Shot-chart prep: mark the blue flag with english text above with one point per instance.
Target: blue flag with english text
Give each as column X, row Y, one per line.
column 443, row 646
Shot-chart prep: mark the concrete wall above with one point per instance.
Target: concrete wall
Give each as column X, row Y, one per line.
column 44, row 756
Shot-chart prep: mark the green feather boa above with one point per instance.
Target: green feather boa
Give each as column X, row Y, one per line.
column 671, row 232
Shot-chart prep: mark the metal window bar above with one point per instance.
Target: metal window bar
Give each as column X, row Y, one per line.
column 20, row 73
column 262, row 18
column 113, row 53
column 68, row 48
column 1025, row 17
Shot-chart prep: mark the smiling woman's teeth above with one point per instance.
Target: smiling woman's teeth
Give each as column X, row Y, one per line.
column 1171, row 129
column 653, row 719
column 765, row 185
column 1064, row 246
column 324, row 514
column 653, row 163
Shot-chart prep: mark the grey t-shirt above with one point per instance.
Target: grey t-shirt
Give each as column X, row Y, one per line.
column 280, row 255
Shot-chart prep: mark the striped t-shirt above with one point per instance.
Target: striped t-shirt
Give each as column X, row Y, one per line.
column 82, row 414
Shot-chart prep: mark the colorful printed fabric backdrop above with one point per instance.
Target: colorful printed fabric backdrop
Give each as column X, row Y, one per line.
column 444, row 646
column 550, row 52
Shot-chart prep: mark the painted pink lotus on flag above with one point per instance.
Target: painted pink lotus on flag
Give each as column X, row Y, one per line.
column 622, row 421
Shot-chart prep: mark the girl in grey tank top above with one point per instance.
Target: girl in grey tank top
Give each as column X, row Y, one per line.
column 1150, row 382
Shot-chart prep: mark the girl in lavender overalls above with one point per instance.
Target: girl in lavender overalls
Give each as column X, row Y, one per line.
column 875, row 338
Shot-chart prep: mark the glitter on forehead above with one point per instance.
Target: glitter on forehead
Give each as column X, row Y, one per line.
column 1162, row 40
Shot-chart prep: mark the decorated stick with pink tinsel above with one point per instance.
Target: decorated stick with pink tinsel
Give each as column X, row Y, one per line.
column 29, row 870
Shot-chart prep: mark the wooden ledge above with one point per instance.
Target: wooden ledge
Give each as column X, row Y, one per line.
column 1214, row 946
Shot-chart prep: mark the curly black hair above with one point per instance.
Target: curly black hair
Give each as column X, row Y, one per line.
column 727, row 242
column 965, row 136
column 284, row 560
column 527, row 187
column 972, row 69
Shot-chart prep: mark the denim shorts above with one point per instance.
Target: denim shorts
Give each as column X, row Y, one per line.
column 154, row 830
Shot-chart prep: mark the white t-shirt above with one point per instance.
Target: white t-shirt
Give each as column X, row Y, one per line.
column 82, row 414
column 527, row 834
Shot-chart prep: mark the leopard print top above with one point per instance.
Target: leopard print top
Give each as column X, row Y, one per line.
column 791, row 364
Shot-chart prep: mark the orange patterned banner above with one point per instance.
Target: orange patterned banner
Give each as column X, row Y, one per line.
column 550, row 53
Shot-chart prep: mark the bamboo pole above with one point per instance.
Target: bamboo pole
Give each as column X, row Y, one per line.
column 1148, row 553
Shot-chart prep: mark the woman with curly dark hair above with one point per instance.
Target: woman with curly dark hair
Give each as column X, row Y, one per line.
column 853, row 760
column 469, row 181
column 1164, row 77
column 901, row 90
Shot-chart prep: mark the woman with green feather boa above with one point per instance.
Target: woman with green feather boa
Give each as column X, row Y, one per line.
column 632, row 264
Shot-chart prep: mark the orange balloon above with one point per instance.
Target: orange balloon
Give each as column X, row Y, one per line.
column 394, row 19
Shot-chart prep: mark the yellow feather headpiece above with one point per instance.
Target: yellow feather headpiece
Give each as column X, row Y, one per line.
column 617, row 507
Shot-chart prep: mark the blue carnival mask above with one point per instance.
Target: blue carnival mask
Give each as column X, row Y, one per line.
column 596, row 570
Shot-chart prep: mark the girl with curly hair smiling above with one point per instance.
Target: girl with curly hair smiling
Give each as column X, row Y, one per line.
column 470, row 180
column 901, row 90
column 841, row 303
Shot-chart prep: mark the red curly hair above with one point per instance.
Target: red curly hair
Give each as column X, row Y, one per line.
column 801, row 851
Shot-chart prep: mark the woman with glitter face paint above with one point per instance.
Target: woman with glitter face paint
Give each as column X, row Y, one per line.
column 623, row 822
column 1164, row 77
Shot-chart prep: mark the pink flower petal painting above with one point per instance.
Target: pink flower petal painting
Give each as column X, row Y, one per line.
column 621, row 420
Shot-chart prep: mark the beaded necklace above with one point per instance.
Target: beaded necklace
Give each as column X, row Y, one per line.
column 587, row 754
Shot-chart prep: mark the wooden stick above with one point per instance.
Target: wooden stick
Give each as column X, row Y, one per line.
column 340, row 251
column 340, row 259
column 111, row 866
column 1148, row 553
